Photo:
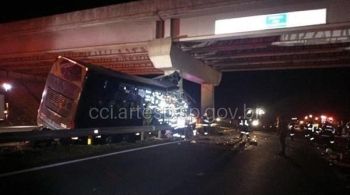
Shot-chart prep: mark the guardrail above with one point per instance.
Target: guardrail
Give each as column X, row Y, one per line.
column 11, row 129
column 36, row 135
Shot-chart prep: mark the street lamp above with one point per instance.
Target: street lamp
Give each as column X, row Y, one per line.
column 6, row 86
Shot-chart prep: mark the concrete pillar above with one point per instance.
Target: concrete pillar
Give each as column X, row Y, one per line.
column 142, row 136
column 167, row 57
column 207, row 97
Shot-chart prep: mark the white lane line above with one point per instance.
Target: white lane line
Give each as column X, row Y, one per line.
column 83, row 159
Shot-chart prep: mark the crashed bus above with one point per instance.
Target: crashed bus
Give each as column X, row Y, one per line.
column 80, row 95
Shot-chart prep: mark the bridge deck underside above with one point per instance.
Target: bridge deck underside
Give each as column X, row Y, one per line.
column 262, row 54
column 223, row 55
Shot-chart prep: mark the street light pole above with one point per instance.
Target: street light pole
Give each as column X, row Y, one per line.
column 6, row 87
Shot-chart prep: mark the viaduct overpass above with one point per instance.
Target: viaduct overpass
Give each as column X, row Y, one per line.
column 198, row 38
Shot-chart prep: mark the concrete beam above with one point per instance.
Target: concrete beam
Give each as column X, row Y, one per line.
column 167, row 57
column 6, row 75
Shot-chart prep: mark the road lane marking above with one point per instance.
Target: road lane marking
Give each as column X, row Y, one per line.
column 84, row 159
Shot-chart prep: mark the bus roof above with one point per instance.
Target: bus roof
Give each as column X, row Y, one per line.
column 117, row 74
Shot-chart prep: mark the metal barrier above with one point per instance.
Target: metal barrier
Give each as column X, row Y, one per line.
column 11, row 129
column 66, row 133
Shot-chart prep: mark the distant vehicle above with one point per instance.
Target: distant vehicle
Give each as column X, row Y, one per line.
column 79, row 95
column 327, row 135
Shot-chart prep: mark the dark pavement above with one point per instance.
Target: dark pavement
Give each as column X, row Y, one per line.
column 189, row 168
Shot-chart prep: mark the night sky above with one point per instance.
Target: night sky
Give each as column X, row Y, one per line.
column 294, row 92
column 291, row 92
column 18, row 10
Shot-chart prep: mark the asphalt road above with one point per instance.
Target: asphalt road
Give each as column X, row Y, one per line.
column 189, row 168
